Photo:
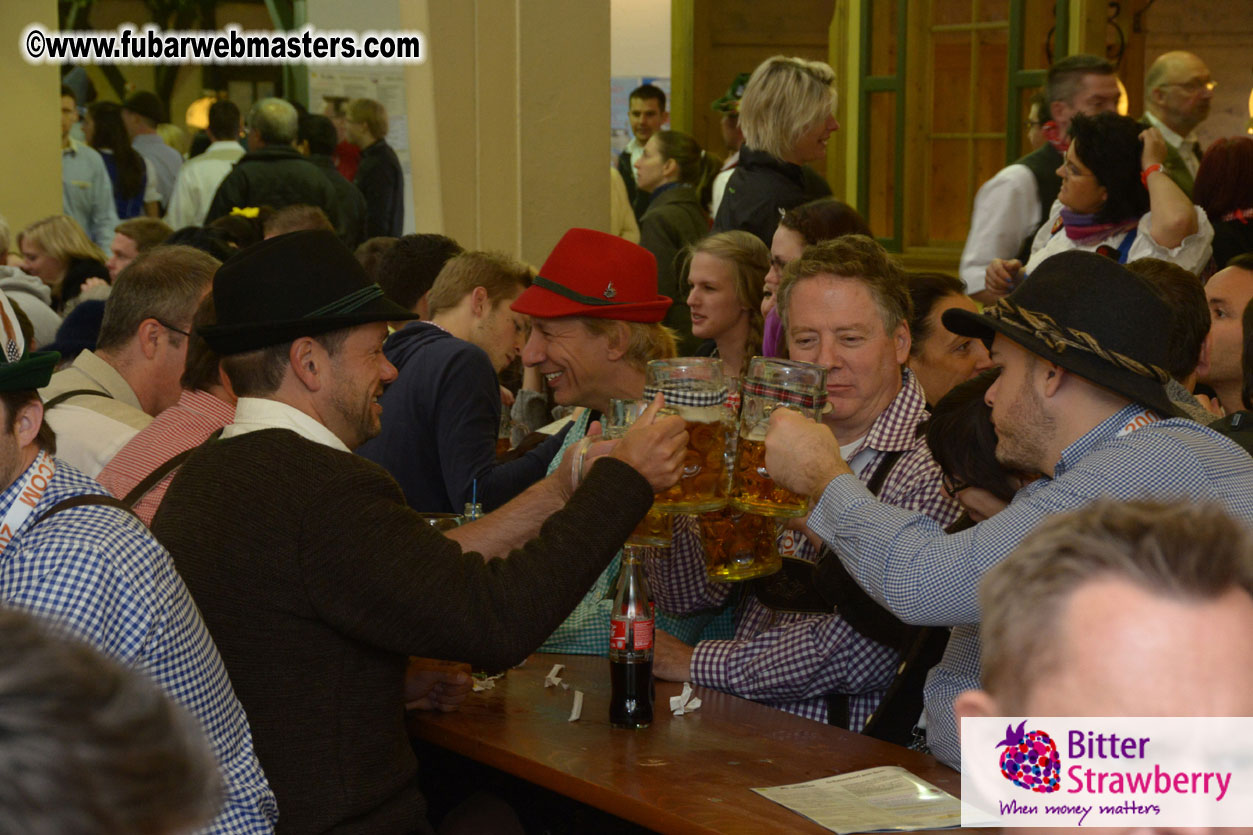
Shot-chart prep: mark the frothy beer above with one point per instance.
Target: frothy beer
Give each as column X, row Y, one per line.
column 772, row 384
column 706, row 476
column 753, row 489
column 739, row 546
column 654, row 529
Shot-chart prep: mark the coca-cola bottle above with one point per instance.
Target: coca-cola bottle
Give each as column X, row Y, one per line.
column 631, row 645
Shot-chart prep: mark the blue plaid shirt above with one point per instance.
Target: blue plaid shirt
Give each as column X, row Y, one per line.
column 95, row 572
column 907, row 562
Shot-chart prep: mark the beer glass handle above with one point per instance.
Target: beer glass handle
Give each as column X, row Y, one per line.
column 580, row 455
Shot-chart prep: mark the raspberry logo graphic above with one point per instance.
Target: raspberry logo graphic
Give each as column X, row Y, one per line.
column 1030, row 759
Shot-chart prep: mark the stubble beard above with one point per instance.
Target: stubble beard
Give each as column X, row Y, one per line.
column 1024, row 437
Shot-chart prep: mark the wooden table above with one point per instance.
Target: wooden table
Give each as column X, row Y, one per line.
column 684, row 774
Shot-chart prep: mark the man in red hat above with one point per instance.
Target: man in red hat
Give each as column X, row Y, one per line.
column 315, row 578
column 596, row 325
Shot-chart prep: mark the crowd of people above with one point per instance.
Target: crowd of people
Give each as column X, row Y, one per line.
column 225, row 432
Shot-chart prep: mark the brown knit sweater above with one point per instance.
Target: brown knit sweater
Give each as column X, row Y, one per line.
column 316, row 581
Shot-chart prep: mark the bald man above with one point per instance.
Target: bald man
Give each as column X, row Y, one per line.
column 1177, row 95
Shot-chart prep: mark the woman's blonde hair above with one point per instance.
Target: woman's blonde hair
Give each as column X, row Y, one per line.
column 60, row 237
column 750, row 261
column 784, row 98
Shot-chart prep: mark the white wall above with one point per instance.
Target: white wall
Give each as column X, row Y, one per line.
column 639, row 37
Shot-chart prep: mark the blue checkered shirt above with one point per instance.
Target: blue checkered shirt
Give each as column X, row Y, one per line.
column 792, row 661
column 95, row 572
column 907, row 562
column 586, row 630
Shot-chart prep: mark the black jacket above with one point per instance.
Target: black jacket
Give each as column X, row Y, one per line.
column 639, row 199
column 383, row 183
column 759, row 187
column 349, row 202
column 674, row 219
column 275, row 176
column 443, row 415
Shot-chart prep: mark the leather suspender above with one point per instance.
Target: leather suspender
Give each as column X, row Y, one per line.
column 86, row 498
column 66, row 395
column 166, row 467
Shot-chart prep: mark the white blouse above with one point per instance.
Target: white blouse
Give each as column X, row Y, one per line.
column 1193, row 253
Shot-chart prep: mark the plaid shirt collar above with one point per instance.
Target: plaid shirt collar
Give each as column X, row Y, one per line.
column 1095, row 436
column 896, row 427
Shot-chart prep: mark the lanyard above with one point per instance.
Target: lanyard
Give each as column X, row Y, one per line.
column 1138, row 421
column 31, row 489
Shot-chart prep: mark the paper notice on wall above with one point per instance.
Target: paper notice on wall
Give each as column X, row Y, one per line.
column 383, row 84
column 881, row 799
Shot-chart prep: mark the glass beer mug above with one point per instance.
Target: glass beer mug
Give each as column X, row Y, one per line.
column 694, row 389
column 740, row 546
column 771, row 384
column 654, row 529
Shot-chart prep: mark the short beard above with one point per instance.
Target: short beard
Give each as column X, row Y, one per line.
column 1033, row 431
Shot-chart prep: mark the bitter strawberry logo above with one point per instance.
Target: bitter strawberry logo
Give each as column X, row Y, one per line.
column 1030, row 759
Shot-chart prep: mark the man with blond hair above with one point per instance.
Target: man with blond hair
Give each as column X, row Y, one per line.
column 595, row 325
column 443, row 410
column 379, row 175
column 133, row 238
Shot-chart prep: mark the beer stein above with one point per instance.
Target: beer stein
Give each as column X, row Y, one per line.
column 771, row 384
column 655, row 528
column 739, row 545
column 694, row 389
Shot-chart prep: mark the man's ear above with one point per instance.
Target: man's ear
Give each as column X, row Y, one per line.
column 618, row 341
column 308, row 360
column 902, row 341
column 1202, row 363
column 974, row 704
column 1053, row 375
column 479, row 302
column 149, row 334
column 26, row 423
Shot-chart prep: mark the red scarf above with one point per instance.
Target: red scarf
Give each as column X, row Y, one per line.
column 1055, row 137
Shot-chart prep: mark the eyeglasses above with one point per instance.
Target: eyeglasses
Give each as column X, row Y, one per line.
column 952, row 484
column 170, row 327
column 1193, row 86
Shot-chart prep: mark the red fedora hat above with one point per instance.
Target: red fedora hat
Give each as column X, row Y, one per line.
column 594, row 274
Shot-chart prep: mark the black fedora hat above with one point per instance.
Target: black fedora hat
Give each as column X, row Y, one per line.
column 299, row 284
column 146, row 104
column 1089, row 315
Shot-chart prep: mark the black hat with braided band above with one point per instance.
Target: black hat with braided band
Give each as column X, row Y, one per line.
column 1089, row 315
